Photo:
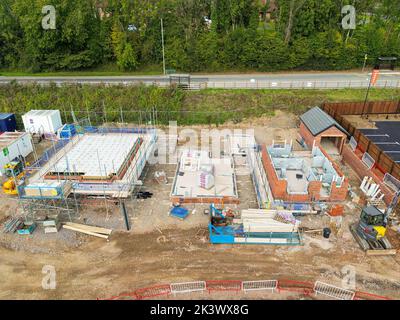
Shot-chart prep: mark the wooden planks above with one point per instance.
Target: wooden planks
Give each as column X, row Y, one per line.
column 260, row 220
column 383, row 252
column 89, row 230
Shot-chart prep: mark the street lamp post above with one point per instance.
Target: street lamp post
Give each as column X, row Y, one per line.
column 365, row 62
column 163, row 48
column 372, row 81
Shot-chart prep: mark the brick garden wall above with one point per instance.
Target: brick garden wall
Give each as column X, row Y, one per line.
column 361, row 170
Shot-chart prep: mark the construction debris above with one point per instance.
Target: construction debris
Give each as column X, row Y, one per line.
column 12, row 225
column 27, row 229
column 336, row 211
column 264, row 221
column 51, row 226
column 371, row 190
column 161, row 177
column 144, row 195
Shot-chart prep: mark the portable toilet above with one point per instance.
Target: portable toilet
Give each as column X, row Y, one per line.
column 42, row 121
column 7, row 122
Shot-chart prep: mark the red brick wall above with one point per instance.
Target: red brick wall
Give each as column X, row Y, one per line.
column 279, row 187
column 331, row 132
column 215, row 200
column 361, row 170
column 314, row 190
column 307, row 135
column 339, row 193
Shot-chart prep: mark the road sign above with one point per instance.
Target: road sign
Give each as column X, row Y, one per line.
column 374, row 76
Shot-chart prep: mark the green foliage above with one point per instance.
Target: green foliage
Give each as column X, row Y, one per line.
column 102, row 103
column 303, row 34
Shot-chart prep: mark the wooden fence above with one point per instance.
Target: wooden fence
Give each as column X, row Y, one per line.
column 358, row 108
column 339, row 110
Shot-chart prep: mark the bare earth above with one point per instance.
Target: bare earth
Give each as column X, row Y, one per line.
column 160, row 249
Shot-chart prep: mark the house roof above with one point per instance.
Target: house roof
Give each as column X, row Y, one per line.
column 318, row 121
column 42, row 113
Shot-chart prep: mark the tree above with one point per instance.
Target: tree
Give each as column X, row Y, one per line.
column 289, row 10
column 127, row 60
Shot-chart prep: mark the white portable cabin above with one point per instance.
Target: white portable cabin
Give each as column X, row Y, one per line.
column 42, row 121
column 13, row 145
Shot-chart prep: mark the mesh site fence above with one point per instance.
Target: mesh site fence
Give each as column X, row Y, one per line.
column 302, row 288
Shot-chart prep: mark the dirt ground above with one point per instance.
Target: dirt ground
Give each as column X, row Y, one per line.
column 369, row 123
column 161, row 249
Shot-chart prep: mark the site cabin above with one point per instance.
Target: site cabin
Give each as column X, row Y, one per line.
column 320, row 128
column 42, row 121
column 14, row 145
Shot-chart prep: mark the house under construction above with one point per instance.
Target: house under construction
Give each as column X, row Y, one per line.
column 98, row 163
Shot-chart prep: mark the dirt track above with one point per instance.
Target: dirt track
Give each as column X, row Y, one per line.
column 130, row 261
column 160, row 250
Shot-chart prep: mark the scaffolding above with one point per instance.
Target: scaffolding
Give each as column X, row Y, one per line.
column 63, row 195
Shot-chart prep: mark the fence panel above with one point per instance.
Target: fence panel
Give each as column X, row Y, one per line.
column 374, row 151
column 396, row 170
column 358, row 108
column 185, row 287
column 333, row 292
column 150, row 292
column 296, row 286
column 260, row 285
column 363, row 142
column 301, row 287
column 224, row 285
column 386, row 163
column 359, row 295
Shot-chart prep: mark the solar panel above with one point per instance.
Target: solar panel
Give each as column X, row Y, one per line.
column 386, row 132
column 370, row 131
column 389, row 147
column 379, row 139
column 395, row 156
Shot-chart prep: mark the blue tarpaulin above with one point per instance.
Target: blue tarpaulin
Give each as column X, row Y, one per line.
column 179, row 212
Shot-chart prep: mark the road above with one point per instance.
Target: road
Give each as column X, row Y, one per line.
column 232, row 81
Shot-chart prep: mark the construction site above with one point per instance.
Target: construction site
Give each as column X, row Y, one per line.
column 280, row 207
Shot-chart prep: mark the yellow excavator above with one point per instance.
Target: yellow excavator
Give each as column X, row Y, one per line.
column 15, row 173
column 370, row 231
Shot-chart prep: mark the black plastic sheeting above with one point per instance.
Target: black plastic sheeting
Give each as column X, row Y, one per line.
column 386, row 137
